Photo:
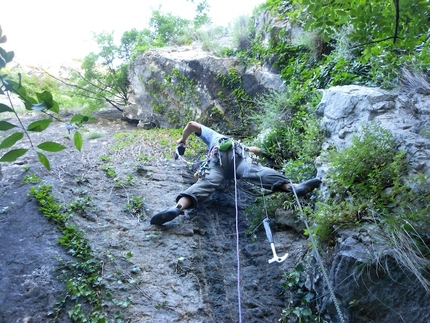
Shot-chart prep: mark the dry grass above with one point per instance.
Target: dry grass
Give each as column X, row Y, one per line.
column 414, row 82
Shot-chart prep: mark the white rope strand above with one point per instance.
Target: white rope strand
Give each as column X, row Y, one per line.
column 314, row 246
column 237, row 237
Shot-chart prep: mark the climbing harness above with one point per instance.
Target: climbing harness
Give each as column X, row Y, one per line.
column 203, row 170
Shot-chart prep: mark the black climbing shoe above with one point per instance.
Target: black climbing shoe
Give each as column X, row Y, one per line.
column 165, row 216
column 305, row 187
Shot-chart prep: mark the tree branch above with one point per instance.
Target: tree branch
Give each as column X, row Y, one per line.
column 113, row 103
column 396, row 28
column 373, row 42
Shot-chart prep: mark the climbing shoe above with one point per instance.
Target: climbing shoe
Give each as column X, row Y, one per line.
column 165, row 216
column 305, row 187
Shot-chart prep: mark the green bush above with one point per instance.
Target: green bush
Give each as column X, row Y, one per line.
column 367, row 180
column 368, row 166
column 290, row 135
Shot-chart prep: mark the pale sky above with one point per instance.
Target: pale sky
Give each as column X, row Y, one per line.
column 60, row 30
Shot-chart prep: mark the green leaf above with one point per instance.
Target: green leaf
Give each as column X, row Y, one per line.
column 9, row 56
column 4, row 125
column 48, row 100
column 39, row 125
column 77, row 138
column 11, row 140
column 46, row 97
column 306, row 312
column 51, row 146
column 20, row 90
column 44, row 161
column 13, row 155
column 3, row 39
column 79, row 118
column 5, row 108
column 3, row 53
column 55, row 107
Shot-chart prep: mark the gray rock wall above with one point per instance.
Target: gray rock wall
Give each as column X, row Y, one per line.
column 172, row 84
column 344, row 110
column 371, row 280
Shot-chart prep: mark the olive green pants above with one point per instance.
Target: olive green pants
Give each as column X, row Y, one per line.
column 222, row 167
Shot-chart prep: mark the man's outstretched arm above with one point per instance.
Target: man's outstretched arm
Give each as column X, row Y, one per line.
column 191, row 127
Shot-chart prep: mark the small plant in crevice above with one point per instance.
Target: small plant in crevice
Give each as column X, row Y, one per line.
column 135, row 207
column 301, row 301
column 105, row 158
column 31, row 179
column 128, row 181
column 143, row 158
column 82, row 204
column 83, row 299
column 109, row 170
column 81, row 179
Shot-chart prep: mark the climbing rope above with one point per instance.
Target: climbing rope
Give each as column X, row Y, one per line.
column 303, row 218
column 317, row 254
column 237, row 237
column 313, row 241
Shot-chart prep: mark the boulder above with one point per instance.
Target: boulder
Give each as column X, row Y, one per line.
column 345, row 109
column 171, row 86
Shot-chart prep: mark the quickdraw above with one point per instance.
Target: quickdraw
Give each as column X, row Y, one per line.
column 203, row 170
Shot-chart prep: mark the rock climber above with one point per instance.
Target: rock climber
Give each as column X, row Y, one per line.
column 224, row 154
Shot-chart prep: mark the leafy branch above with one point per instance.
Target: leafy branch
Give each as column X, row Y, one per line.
column 93, row 94
column 43, row 103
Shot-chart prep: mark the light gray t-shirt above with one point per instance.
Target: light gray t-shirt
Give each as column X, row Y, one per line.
column 210, row 137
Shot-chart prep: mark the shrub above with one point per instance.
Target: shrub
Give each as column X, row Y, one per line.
column 368, row 166
column 290, row 133
column 367, row 180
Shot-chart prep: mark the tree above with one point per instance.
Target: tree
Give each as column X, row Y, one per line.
column 103, row 75
column 401, row 22
column 202, row 13
column 166, row 28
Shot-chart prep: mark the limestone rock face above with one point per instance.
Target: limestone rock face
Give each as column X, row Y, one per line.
column 368, row 273
column 345, row 109
column 272, row 29
column 172, row 84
